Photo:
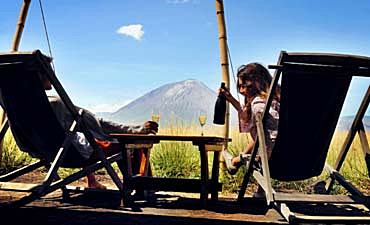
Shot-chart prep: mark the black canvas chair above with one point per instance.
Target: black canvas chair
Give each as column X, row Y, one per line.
column 313, row 90
column 33, row 121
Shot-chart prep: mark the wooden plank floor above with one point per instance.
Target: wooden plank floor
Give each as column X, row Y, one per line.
column 96, row 207
column 163, row 208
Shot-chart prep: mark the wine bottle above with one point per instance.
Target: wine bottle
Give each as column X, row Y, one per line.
column 220, row 108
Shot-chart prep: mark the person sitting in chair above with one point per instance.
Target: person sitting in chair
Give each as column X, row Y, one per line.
column 253, row 83
column 99, row 128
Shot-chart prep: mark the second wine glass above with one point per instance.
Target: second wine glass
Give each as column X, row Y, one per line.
column 156, row 116
column 202, row 121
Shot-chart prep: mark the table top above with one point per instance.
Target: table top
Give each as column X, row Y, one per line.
column 144, row 137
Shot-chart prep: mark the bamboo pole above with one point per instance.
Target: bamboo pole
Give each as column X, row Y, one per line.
column 20, row 25
column 224, row 60
column 222, row 40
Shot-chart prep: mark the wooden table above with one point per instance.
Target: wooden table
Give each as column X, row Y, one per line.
column 204, row 185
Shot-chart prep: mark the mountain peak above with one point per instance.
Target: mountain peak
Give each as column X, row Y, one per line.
column 179, row 88
column 178, row 101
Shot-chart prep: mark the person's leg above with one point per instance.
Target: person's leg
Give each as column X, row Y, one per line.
column 236, row 161
column 93, row 183
column 109, row 149
column 259, row 193
column 232, row 163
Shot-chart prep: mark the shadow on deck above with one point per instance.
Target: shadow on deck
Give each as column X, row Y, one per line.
column 163, row 208
column 98, row 207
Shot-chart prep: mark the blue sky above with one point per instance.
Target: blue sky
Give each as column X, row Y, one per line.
column 108, row 53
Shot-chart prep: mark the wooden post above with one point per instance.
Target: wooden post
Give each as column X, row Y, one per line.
column 224, row 59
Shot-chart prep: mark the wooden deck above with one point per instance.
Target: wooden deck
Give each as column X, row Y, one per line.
column 97, row 207
column 163, row 208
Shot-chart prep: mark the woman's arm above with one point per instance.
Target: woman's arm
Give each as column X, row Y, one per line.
column 230, row 99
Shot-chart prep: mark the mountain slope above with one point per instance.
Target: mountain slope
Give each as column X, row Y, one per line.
column 180, row 101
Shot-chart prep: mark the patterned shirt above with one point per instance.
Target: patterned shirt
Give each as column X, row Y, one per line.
column 271, row 125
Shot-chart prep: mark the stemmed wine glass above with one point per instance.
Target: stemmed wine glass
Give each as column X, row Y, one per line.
column 155, row 116
column 202, row 121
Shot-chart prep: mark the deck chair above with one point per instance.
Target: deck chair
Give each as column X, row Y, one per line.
column 32, row 119
column 313, row 90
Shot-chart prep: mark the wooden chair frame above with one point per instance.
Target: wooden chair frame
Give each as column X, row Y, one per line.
column 280, row 200
column 52, row 181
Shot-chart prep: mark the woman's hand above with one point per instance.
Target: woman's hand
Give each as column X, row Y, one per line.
column 225, row 92
column 149, row 127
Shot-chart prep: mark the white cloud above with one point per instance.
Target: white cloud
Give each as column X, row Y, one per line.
column 134, row 30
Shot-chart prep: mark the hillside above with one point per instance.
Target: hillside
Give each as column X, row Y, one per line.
column 176, row 102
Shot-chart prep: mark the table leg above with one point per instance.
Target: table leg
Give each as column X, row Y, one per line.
column 125, row 167
column 144, row 169
column 215, row 174
column 203, row 175
column 145, row 163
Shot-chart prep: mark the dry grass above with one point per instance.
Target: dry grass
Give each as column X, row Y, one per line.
column 175, row 159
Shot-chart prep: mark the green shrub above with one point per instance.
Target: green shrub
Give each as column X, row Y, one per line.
column 12, row 158
column 171, row 159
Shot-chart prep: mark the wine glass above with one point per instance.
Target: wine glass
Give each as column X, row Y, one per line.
column 155, row 116
column 202, row 121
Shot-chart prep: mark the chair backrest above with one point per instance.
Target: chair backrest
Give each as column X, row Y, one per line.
column 313, row 90
column 31, row 118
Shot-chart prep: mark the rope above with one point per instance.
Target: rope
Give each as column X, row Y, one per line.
column 46, row 34
column 232, row 70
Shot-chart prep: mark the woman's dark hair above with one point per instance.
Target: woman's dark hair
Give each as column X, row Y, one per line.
column 260, row 78
column 261, row 81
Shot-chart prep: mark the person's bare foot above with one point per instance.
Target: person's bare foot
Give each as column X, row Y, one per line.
column 96, row 185
column 93, row 183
